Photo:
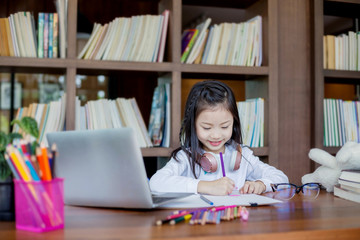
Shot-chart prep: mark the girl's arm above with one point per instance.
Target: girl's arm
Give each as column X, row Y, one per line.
column 260, row 171
column 174, row 177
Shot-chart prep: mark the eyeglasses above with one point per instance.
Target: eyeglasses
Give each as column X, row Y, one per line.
column 286, row 191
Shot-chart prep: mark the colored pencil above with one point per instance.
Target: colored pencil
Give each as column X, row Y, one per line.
column 222, row 164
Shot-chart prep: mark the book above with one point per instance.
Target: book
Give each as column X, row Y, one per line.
column 28, row 31
column 234, row 38
column 61, row 6
column 350, row 175
column 93, row 52
column 256, row 53
column 114, row 25
column 215, row 44
column 346, row 194
column 13, row 35
column 350, row 185
column 202, row 49
column 207, row 45
column 145, row 42
column 9, row 39
column 130, row 38
column 138, row 36
column 189, row 46
column 46, row 35
column 153, row 51
column 224, row 43
column 4, row 46
column 106, row 41
column 197, row 53
column 187, row 35
column 55, row 34
column 19, row 35
column 41, row 19
column 141, row 122
column 157, row 115
column 330, row 51
column 43, row 121
column 93, row 35
column 51, row 34
column 164, row 30
column 124, row 26
column 202, row 27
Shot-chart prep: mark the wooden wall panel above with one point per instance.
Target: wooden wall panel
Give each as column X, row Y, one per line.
column 294, row 88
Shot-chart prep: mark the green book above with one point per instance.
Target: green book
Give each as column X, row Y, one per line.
column 41, row 35
column 189, row 45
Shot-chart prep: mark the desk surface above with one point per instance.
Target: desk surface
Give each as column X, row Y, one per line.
column 327, row 217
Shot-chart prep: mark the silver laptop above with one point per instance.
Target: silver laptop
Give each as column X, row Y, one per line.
column 104, row 168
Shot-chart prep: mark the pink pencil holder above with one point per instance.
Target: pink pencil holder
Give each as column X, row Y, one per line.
column 39, row 205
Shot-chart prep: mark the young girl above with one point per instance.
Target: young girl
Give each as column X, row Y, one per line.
column 210, row 132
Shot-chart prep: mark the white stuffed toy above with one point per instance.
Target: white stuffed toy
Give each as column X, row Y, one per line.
column 348, row 157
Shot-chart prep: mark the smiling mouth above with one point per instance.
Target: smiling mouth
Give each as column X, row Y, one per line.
column 214, row 143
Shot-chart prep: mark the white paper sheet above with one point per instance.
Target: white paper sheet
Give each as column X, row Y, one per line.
column 194, row 201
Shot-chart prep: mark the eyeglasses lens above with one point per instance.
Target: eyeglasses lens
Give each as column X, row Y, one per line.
column 311, row 190
column 285, row 191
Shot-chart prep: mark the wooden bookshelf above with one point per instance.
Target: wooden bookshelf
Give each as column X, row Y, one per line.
column 322, row 9
column 282, row 80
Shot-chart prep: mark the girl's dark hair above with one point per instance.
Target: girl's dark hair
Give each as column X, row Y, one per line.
column 204, row 95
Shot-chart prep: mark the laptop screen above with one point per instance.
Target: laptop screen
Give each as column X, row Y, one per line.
column 101, row 168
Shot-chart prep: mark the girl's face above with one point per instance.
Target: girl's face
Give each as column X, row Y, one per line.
column 214, row 128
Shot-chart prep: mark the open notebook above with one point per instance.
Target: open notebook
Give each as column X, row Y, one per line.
column 104, row 168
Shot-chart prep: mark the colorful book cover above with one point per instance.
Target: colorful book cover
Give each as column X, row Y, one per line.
column 51, row 30
column 55, row 35
column 188, row 34
column 41, row 18
column 46, row 35
column 156, row 122
column 189, row 46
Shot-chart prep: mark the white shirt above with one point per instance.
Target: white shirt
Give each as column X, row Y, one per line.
column 177, row 176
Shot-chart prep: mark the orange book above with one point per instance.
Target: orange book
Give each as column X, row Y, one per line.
column 8, row 33
column 331, row 51
column 4, row 46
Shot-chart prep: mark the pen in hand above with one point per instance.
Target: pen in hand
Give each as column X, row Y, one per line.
column 222, row 164
column 206, row 200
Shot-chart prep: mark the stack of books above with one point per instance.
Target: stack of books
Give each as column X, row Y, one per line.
column 19, row 38
column 342, row 52
column 341, row 122
column 49, row 116
column 48, row 31
column 107, row 113
column 349, row 185
column 237, row 44
column 139, row 38
column 251, row 114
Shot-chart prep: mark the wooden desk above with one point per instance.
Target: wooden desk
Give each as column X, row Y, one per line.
column 327, row 217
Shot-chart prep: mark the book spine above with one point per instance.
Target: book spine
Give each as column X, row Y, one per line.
column 51, row 30
column 55, row 35
column 46, row 35
column 189, row 47
column 41, row 35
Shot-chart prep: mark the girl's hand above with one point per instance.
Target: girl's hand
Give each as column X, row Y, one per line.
column 222, row 186
column 257, row 187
